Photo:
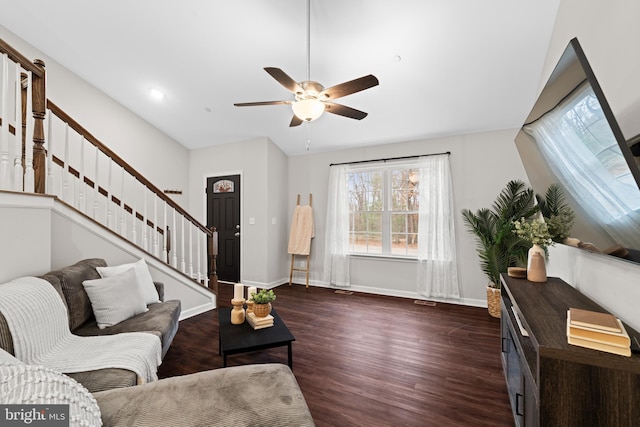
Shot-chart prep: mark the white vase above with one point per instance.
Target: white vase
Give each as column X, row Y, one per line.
column 536, row 265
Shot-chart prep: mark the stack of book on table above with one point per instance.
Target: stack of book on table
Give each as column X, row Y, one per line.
column 598, row 331
column 259, row 322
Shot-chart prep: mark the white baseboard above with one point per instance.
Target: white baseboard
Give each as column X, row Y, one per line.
column 194, row 311
column 402, row 294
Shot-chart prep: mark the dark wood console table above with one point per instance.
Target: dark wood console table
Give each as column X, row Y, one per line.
column 553, row 383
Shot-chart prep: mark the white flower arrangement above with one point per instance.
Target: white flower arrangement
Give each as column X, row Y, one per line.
column 535, row 232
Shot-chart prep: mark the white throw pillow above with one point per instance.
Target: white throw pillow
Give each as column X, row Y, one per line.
column 145, row 282
column 37, row 386
column 115, row 298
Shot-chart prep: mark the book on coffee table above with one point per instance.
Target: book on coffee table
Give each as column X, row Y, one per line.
column 259, row 322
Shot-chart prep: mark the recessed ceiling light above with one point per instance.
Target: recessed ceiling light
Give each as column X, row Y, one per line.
column 397, row 58
column 156, row 94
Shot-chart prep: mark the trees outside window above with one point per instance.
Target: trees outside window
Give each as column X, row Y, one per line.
column 383, row 210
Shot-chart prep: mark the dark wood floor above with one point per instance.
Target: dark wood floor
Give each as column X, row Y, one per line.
column 367, row 360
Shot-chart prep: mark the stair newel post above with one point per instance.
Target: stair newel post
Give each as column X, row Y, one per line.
column 174, row 255
column 39, row 108
column 212, row 252
column 20, row 115
column 66, row 171
column 49, row 186
column 28, row 144
column 165, row 237
column 168, row 239
column 4, row 135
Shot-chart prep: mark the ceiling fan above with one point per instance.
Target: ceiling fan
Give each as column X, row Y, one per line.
column 311, row 98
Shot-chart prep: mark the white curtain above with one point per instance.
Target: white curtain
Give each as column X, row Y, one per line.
column 437, row 258
column 584, row 156
column 336, row 255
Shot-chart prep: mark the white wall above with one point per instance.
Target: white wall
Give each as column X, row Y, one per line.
column 609, row 35
column 277, row 216
column 155, row 155
column 258, row 162
column 74, row 238
column 24, row 251
column 481, row 165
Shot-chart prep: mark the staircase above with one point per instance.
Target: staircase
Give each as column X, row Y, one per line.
column 88, row 183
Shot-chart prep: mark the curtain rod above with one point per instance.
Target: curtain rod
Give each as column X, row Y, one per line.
column 389, row 158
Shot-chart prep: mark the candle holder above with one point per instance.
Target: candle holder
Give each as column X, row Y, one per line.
column 237, row 313
column 249, row 306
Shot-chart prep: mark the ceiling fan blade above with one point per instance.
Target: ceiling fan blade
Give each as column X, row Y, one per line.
column 352, row 86
column 284, row 79
column 343, row 110
column 295, row 121
column 254, row 104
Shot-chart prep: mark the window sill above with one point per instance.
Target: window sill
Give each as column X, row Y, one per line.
column 384, row 257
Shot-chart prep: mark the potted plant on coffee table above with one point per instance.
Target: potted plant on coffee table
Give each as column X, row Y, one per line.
column 262, row 302
column 497, row 246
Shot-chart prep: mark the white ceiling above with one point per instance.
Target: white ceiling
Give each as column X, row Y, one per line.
column 466, row 65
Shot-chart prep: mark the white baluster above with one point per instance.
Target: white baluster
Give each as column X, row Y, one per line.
column 4, row 136
column 67, row 170
column 96, row 191
column 183, row 266
column 190, row 249
column 164, row 235
column 49, row 183
column 29, row 174
column 123, row 211
column 82, row 202
column 134, row 237
column 18, row 171
column 156, row 247
column 198, row 239
column 205, row 258
column 109, row 187
column 145, row 227
column 174, row 258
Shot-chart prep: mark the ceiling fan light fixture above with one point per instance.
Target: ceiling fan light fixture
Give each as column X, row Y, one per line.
column 308, row 109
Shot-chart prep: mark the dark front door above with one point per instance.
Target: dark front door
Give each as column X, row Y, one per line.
column 223, row 212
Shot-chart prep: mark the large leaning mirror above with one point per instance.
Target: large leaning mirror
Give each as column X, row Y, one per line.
column 572, row 138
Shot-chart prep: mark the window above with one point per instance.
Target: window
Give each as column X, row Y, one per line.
column 383, row 210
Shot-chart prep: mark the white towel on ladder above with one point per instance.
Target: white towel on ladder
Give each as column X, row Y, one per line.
column 302, row 231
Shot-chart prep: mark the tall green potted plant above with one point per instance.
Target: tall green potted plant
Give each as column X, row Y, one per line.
column 497, row 246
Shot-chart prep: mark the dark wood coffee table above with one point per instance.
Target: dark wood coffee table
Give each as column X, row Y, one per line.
column 235, row 339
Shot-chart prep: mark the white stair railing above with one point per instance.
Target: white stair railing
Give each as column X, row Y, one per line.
column 144, row 211
column 88, row 176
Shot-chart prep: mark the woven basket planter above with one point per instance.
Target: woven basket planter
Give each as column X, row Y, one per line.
column 493, row 301
column 261, row 310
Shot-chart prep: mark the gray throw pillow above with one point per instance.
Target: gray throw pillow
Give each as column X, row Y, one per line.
column 115, row 298
column 143, row 278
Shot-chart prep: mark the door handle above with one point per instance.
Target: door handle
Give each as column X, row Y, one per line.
column 519, row 404
column 237, row 233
